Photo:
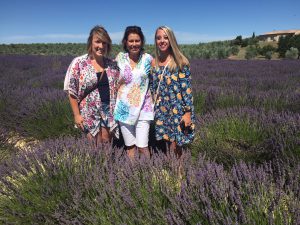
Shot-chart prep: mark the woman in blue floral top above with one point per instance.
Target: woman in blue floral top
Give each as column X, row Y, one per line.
column 134, row 108
column 172, row 91
column 91, row 83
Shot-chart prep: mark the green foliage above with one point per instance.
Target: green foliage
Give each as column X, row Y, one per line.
column 231, row 139
column 238, row 40
column 253, row 41
column 199, row 102
column 268, row 55
column 251, row 52
column 245, row 42
column 7, row 148
column 284, row 44
column 35, row 202
column 267, row 51
column 234, row 50
column 227, row 101
column 52, row 119
column 44, row 49
column 292, row 53
column 295, row 42
column 212, row 50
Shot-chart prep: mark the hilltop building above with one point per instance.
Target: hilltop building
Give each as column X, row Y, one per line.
column 275, row 35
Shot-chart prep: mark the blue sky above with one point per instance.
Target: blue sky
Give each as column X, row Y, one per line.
column 53, row 21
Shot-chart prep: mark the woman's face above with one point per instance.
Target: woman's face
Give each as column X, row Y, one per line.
column 162, row 41
column 134, row 44
column 99, row 47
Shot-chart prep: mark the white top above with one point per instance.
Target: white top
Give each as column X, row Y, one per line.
column 134, row 100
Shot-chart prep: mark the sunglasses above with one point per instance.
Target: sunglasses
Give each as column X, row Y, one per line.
column 133, row 28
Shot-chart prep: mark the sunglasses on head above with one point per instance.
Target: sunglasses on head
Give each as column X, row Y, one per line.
column 133, row 28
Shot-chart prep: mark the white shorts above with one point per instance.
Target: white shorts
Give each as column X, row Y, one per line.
column 137, row 134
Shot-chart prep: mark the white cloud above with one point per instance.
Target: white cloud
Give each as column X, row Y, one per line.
column 182, row 38
column 54, row 38
column 45, row 38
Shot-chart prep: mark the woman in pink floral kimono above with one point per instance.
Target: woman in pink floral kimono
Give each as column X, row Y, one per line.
column 91, row 83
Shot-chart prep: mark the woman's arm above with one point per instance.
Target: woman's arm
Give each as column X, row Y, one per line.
column 186, row 92
column 151, row 77
column 71, row 86
column 76, row 113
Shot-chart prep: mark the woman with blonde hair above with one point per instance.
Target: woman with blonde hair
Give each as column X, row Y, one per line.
column 172, row 91
column 91, row 83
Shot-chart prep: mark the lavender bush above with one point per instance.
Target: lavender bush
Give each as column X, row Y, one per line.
column 32, row 101
column 247, row 134
column 272, row 85
column 7, row 146
column 242, row 168
column 68, row 181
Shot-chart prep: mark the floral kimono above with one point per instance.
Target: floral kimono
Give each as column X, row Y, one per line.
column 80, row 78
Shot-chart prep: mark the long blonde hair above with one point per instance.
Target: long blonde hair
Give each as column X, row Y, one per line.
column 177, row 58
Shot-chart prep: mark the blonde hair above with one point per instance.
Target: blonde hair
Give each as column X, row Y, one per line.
column 177, row 58
column 103, row 36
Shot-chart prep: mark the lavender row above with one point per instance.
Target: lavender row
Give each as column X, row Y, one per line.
column 272, row 85
column 33, row 104
column 67, row 181
column 247, row 134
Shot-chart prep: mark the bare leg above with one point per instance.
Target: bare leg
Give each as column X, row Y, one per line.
column 175, row 149
column 130, row 151
column 103, row 136
column 144, row 152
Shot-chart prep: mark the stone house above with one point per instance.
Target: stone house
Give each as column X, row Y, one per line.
column 274, row 35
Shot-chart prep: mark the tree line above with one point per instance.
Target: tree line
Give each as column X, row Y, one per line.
column 213, row 50
column 287, row 47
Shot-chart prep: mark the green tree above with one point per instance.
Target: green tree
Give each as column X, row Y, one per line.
column 267, row 51
column 292, row 53
column 251, row 52
column 238, row 40
column 295, row 42
column 284, row 44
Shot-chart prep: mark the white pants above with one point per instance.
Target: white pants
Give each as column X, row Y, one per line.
column 137, row 134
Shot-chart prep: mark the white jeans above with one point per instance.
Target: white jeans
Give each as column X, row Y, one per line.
column 137, row 134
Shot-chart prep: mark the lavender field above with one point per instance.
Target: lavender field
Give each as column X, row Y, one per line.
column 242, row 168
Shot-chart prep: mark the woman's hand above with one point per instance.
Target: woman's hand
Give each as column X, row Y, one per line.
column 186, row 118
column 121, row 82
column 79, row 121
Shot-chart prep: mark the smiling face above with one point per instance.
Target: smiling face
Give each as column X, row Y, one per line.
column 99, row 47
column 162, row 41
column 134, row 44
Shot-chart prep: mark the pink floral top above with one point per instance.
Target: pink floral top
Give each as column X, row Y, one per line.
column 81, row 77
column 134, row 98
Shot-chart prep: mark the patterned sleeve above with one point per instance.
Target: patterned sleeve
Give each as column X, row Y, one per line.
column 148, row 64
column 125, row 72
column 151, row 74
column 116, row 70
column 186, row 87
column 71, row 83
